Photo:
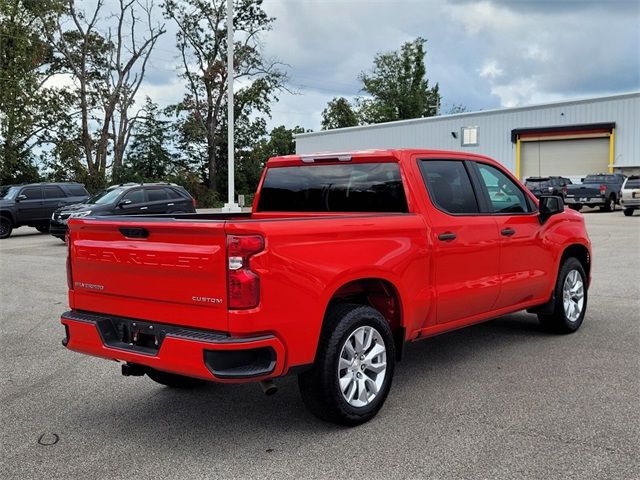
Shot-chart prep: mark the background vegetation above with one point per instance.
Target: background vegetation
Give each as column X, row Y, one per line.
column 70, row 108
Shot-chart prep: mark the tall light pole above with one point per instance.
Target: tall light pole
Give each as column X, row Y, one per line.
column 231, row 205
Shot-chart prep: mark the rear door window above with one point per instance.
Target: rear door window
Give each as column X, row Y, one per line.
column 360, row 187
column 157, row 195
column 53, row 192
column 449, row 186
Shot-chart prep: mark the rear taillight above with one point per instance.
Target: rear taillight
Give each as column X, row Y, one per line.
column 69, row 273
column 243, row 283
column 195, row 204
column 603, row 189
column 564, row 190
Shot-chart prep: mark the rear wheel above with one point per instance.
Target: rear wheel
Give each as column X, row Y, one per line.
column 570, row 299
column 610, row 205
column 6, row 227
column 352, row 374
column 43, row 228
column 173, row 380
column 576, row 207
column 628, row 212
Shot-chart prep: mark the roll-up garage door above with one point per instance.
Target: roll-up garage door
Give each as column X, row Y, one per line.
column 567, row 158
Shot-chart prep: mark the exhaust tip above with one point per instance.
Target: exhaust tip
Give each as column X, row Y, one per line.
column 268, row 387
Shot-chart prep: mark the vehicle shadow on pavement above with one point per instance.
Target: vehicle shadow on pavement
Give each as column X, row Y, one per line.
column 226, row 415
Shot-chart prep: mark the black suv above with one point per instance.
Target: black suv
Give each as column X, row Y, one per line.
column 32, row 204
column 126, row 199
column 547, row 185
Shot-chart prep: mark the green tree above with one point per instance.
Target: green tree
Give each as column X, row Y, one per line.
column 107, row 62
column 338, row 114
column 202, row 44
column 149, row 157
column 26, row 106
column 397, row 86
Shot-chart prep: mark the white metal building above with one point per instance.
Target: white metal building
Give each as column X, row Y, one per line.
column 571, row 138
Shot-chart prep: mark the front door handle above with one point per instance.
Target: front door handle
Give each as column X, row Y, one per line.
column 445, row 237
column 143, row 208
column 170, row 204
column 507, row 232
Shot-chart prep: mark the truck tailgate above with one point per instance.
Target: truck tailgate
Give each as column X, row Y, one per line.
column 160, row 270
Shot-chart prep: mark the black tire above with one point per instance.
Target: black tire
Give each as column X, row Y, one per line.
column 628, row 212
column 610, row 206
column 173, row 380
column 558, row 321
column 575, row 207
column 6, row 227
column 43, row 228
column 320, row 387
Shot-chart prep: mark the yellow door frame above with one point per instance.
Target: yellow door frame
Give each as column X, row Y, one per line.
column 612, row 149
column 612, row 152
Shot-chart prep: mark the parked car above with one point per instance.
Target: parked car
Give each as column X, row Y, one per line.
column 126, row 199
column 630, row 198
column 547, row 185
column 600, row 190
column 344, row 258
column 32, row 204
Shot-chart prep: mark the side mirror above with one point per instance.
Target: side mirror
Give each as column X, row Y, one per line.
column 124, row 203
column 21, row 197
column 550, row 205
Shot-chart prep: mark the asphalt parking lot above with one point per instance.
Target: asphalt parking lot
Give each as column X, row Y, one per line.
column 497, row 400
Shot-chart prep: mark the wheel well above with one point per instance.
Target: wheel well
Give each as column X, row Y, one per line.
column 7, row 215
column 379, row 294
column 581, row 253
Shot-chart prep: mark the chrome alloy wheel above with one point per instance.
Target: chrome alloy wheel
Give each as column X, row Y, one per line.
column 573, row 295
column 362, row 366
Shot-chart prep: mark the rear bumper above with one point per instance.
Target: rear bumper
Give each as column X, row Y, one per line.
column 630, row 202
column 195, row 353
column 593, row 201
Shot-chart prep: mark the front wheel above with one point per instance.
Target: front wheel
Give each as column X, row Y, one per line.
column 628, row 212
column 43, row 228
column 6, row 227
column 352, row 374
column 576, row 207
column 570, row 299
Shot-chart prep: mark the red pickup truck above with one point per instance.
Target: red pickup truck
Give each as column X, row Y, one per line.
column 344, row 259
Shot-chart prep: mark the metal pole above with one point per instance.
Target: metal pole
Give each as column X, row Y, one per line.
column 231, row 206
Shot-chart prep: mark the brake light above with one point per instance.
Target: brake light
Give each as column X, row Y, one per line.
column 69, row 273
column 564, row 190
column 603, row 188
column 243, row 283
column 195, row 204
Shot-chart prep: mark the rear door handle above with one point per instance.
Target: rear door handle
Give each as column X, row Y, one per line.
column 169, row 204
column 507, row 232
column 143, row 208
column 447, row 236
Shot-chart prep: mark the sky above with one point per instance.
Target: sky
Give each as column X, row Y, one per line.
column 483, row 54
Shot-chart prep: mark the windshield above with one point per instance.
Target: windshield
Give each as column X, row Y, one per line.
column 7, row 192
column 105, row 197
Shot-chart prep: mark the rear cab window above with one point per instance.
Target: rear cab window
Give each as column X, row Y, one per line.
column 347, row 187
